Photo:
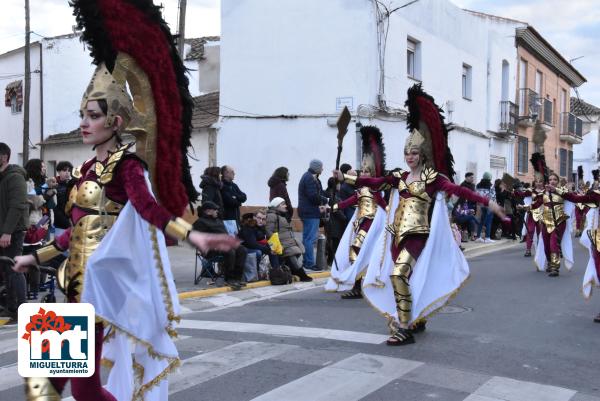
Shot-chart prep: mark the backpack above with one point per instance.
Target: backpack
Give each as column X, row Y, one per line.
column 280, row 276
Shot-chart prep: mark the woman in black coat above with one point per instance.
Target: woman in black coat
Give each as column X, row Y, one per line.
column 211, row 187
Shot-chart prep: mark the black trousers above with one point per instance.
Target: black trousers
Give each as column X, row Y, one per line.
column 15, row 282
column 233, row 263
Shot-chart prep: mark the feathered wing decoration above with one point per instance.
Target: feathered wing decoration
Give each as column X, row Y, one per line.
column 372, row 143
column 134, row 30
column 425, row 116
column 538, row 161
column 596, row 175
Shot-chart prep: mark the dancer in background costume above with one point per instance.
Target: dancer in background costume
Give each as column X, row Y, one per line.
column 419, row 266
column 129, row 281
column 360, row 238
column 558, row 206
column 581, row 209
column 533, row 216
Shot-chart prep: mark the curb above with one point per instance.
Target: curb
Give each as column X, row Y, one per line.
column 478, row 251
column 221, row 290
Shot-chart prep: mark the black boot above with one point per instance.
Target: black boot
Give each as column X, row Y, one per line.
column 298, row 271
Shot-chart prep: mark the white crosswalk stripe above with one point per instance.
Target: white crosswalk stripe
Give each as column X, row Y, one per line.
column 350, row 379
column 282, row 330
column 213, row 364
column 514, row 390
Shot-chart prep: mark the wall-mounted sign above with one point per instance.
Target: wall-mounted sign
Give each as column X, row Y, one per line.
column 347, row 101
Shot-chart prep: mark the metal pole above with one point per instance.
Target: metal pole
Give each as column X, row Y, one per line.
column 27, row 88
column 181, row 28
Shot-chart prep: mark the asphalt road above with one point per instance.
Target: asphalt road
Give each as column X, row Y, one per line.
column 511, row 334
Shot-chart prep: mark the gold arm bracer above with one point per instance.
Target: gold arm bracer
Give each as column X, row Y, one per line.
column 178, row 228
column 350, row 179
column 47, row 253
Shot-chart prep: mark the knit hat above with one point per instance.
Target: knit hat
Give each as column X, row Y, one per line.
column 276, row 202
column 487, row 176
column 208, row 205
column 316, row 164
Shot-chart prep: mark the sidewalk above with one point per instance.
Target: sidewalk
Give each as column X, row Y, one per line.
column 183, row 260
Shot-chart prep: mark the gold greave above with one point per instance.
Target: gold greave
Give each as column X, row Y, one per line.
column 357, row 244
column 40, row 389
column 400, row 282
column 353, row 254
column 554, row 264
column 403, row 298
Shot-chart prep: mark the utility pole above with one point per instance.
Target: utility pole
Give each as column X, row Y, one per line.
column 181, row 28
column 27, row 88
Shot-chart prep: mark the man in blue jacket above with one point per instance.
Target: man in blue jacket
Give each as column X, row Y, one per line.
column 311, row 204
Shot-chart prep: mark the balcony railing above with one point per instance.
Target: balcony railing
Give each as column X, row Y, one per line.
column 508, row 117
column 548, row 111
column 571, row 128
column 529, row 106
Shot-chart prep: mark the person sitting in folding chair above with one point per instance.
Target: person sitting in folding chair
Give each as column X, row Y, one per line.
column 233, row 260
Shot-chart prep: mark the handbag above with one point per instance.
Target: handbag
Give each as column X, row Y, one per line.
column 280, row 275
column 274, row 242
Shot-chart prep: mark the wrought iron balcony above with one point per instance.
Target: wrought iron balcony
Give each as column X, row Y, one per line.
column 571, row 128
column 529, row 107
column 547, row 113
column 508, row 117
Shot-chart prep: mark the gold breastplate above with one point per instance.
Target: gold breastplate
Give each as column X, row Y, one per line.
column 89, row 196
column 367, row 207
column 554, row 211
column 411, row 215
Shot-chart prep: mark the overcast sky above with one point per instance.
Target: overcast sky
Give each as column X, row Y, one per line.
column 571, row 26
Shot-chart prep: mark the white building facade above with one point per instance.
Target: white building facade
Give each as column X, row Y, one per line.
column 61, row 69
column 587, row 153
column 288, row 67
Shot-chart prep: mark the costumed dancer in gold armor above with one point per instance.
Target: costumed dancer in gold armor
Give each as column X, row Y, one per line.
column 581, row 209
column 369, row 202
column 554, row 217
column 430, row 162
column 533, row 220
column 117, row 255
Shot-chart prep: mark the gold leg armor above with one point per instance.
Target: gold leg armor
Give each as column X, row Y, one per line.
column 40, row 389
column 400, row 277
column 357, row 244
column 554, row 263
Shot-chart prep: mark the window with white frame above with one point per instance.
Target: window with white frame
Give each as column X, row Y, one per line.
column 522, row 154
column 413, row 59
column 467, row 78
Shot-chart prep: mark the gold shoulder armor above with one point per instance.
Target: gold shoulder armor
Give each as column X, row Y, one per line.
column 76, row 173
column 398, row 173
column 428, row 175
column 106, row 175
column 561, row 190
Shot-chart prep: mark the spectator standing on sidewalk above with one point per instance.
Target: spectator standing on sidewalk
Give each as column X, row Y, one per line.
column 278, row 188
column 311, row 204
column 337, row 222
column 233, row 198
column 13, row 223
column 486, row 189
column 346, row 191
column 211, row 185
column 64, row 183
